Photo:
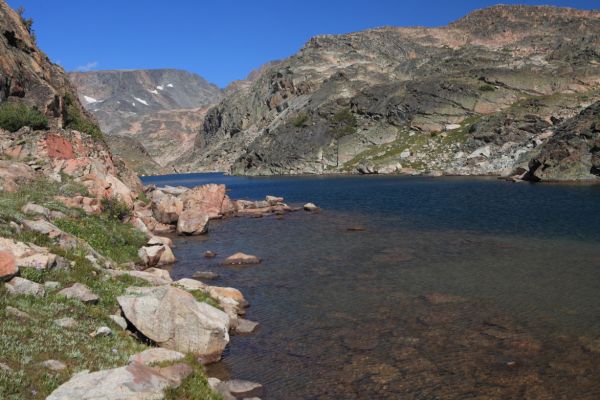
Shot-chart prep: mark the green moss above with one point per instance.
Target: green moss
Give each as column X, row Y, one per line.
column 14, row 116
column 75, row 119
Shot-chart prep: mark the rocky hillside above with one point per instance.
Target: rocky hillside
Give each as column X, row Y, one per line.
column 162, row 109
column 475, row 97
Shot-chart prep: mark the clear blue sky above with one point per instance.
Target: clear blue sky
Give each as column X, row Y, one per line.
column 220, row 40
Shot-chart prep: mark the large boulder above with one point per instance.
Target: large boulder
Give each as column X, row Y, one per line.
column 28, row 255
column 192, row 222
column 166, row 208
column 207, row 199
column 173, row 319
column 135, row 381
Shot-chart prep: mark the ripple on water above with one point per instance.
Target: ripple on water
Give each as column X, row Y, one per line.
column 409, row 309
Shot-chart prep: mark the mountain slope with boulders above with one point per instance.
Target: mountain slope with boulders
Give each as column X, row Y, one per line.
column 477, row 97
column 160, row 109
column 79, row 290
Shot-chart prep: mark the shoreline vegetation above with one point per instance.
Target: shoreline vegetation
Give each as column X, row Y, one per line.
column 85, row 301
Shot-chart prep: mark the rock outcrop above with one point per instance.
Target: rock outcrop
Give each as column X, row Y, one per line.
column 475, row 97
column 573, row 152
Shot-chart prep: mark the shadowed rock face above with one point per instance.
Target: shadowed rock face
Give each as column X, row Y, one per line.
column 161, row 109
column 573, row 153
column 474, row 97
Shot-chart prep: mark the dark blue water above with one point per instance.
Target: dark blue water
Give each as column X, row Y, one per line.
column 459, row 288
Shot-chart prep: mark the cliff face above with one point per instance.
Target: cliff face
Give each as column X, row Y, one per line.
column 27, row 76
column 475, row 97
column 26, row 73
column 161, row 109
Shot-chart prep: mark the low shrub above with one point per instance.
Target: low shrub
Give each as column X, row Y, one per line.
column 14, row 116
column 115, row 208
column 487, row 88
column 300, row 120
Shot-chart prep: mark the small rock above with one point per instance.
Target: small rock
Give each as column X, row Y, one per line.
column 156, row 355
column 66, row 322
column 34, row 209
column 310, row 207
column 154, row 240
column 190, row 284
column 42, row 227
column 8, row 266
column 209, row 254
column 20, row 286
column 245, row 327
column 15, row 312
column 241, row 259
column 117, row 319
column 150, row 255
column 80, row 292
column 274, row 200
column 102, row 331
column 192, row 222
column 53, row 365
column 51, row 285
column 205, row 275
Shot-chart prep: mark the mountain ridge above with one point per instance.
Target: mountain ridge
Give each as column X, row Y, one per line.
column 423, row 93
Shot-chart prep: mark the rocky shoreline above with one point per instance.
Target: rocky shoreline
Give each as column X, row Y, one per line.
column 178, row 319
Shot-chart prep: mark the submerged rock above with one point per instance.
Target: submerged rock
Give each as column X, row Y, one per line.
column 172, row 318
column 208, row 275
column 241, row 259
column 310, row 207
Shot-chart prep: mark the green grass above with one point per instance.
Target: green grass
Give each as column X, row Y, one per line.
column 205, row 298
column 14, row 116
column 194, row 387
column 26, row 343
column 111, row 238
